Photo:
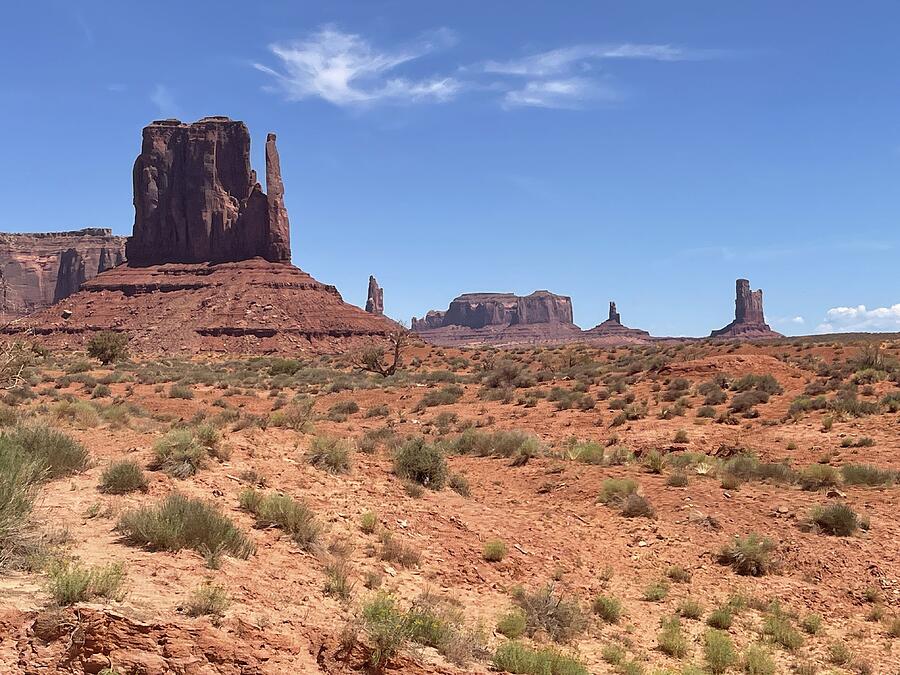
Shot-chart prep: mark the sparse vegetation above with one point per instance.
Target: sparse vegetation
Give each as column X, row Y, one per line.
column 108, row 347
column 748, row 556
column 122, row 477
column 292, row 516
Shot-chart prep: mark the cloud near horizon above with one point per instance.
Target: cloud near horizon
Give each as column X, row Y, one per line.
column 346, row 69
column 860, row 319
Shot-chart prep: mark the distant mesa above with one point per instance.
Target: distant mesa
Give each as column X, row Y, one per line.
column 749, row 322
column 501, row 319
column 209, row 260
column 375, row 299
column 38, row 269
column 613, row 331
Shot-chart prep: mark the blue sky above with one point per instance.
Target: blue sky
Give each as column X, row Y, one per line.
column 646, row 152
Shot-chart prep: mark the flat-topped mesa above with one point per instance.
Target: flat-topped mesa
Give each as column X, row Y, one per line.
column 749, row 321
column 197, row 200
column 478, row 310
column 375, row 299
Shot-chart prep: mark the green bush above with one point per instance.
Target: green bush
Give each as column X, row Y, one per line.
column 514, row 657
column 837, row 519
column 756, row 661
column 296, row 415
column 207, row 600
column 607, row 608
column 721, row 617
column 615, row 490
column 421, row 462
column 108, row 347
column 122, row 477
column 182, row 391
column 637, row 506
column 179, row 454
column 387, row 629
column 292, row 516
column 656, row 591
column 719, row 651
column 690, row 609
column 180, row 522
column 545, row 610
column 459, row 484
column 329, row 454
column 748, row 556
column 512, row 624
column 866, row 474
column 671, row 639
column 56, row 452
column 494, row 550
column 818, row 476
column 20, row 475
column 71, row 582
column 444, row 396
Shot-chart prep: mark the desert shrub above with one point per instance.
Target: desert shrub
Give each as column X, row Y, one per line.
column 778, row 627
column 607, row 608
column 866, row 474
column 123, row 476
column 292, row 516
column 20, row 475
column 654, row 461
column 329, row 454
column 519, row 446
column 681, row 436
column 677, row 479
column 386, row 627
column 839, row 654
column 343, row 408
column 507, row 374
column 178, row 454
column 101, row 391
column 860, row 442
column 678, row 574
column 747, row 400
column 847, row 403
column 394, row 550
column 281, row 366
column 721, row 617
column 757, row 661
column 891, row 401
column 837, row 519
column 671, row 638
column 803, row 404
column 765, row 383
column 182, row 391
column 515, row 657
column 546, row 610
column 56, row 452
column 690, row 609
column 818, row 476
column 718, row 650
column 459, row 484
column 421, row 462
column 587, row 452
column 637, row 506
column 615, row 490
column 706, row 411
column 368, row 522
column 444, row 396
column 377, row 411
column 748, row 556
column 180, row 522
column 108, row 346
column 812, row 623
column 207, row 600
column 70, row 582
column 656, row 591
column 296, row 415
column 512, row 624
column 81, row 413
column 494, row 550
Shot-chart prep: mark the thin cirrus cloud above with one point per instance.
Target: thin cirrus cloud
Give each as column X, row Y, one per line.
column 861, row 319
column 347, row 70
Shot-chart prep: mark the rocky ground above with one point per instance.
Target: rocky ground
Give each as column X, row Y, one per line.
column 514, row 555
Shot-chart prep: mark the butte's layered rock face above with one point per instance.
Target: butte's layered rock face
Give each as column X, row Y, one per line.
column 612, row 331
column 196, row 199
column 375, row 299
column 209, row 259
column 500, row 318
column 749, row 322
column 37, row 270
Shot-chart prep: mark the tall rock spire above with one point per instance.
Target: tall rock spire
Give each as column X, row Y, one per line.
column 375, row 300
column 749, row 321
column 279, row 233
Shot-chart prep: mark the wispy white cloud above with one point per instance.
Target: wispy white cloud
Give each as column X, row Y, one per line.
column 560, row 93
column 565, row 59
column 163, row 98
column 860, row 319
column 346, row 69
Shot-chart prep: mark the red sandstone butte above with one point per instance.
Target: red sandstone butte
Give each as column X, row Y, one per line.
column 749, row 322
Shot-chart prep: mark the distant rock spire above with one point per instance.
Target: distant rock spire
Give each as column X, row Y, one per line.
column 613, row 314
column 749, row 321
column 375, row 300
